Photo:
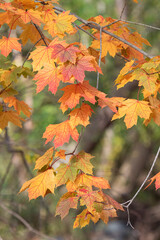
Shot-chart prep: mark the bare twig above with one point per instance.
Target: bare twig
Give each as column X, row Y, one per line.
column 24, row 222
column 41, row 34
column 129, row 202
column 97, row 26
column 140, row 24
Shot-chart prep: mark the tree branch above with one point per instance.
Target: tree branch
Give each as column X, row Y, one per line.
column 97, row 26
column 24, row 222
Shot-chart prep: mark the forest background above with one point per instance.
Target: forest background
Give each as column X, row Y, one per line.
column 122, row 156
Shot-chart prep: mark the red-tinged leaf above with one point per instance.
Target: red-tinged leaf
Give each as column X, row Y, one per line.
column 8, row 44
column 18, row 105
column 82, row 161
column 156, row 178
column 65, row 52
column 77, row 70
column 61, row 132
column 133, row 108
column 84, row 218
column 10, row 116
column 40, row 185
column 49, row 75
column 80, row 116
column 61, row 154
column 67, row 201
column 45, row 159
column 88, row 198
column 65, row 172
column 108, row 201
column 73, row 93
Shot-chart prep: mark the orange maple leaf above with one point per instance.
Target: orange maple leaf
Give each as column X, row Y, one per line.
column 73, row 93
column 80, row 116
column 40, row 185
column 67, row 201
column 89, row 181
column 8, row 44
column 60, row 154
column 30, row 15
column 49, row 75
column 10, row 116
column 61, row 132
column 42, row 55
column 133, row 108
column 45, row 159
column 18, row 105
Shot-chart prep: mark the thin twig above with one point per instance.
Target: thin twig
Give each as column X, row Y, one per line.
column 97, row 26
column 24, row 222
column 85, row 31
column 140, row 24
column 41, row 34
column 129, row 202
column 100, row 54
column 125, row 4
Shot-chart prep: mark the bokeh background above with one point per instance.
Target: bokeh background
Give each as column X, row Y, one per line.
column 122, row 156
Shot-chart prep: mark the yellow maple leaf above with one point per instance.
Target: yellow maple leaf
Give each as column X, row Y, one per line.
column 45, row 159
column 10, row 116
column 133, row 108
column 40, row 185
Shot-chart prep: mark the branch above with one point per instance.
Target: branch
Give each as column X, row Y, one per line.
column 140, row 24
column 97, row 26
column 129, row 202
column 24, row 222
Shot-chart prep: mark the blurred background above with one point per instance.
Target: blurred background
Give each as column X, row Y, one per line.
column 121, row 156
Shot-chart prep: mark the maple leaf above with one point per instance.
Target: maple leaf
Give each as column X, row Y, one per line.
column 45, row 159
column 42, row 55
column 82, row 161
column 67, row 201
column 155, row 103
column 77, row 70
column 84, row 218
column 61, row 24
column 61, row 132
column 133, row 108
column 80, row 116
column 10, row 116
column 49, row 75
column 88, row 197
column 65, row 52
column 155, row 178
column 109, row 45
column 27, row 34
column 65, row 172
column 112, row 103
column 18, row 105
column 8, row 44
column 89, row 181
column 30, row 15
column 73, row 93
column 40, row 185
